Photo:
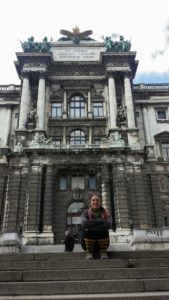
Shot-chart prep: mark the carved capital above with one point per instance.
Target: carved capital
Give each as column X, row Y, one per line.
column 42, row 75
column 25, row 74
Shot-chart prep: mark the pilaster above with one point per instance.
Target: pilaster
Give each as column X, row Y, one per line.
column 48, row 206
column 105, row 188
column 158, row 207
column 8, row 125
column 112, row 101
column 129, row 101
column 33, row 205
column 120, row 196
column 143, row 206
column 41, row 102
column 25, row 102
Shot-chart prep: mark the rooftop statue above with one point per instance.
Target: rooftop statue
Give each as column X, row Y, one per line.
column 31, row 46
column 76, row 35
column 117, row 46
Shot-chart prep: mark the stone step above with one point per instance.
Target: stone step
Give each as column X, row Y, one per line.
column 125, row 275
column 80, row 287
column 63, row 264
column 82, row 264
column 80, row 255
column 121, row 296
column 84, row 274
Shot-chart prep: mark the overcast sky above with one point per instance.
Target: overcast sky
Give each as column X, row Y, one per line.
column 144, row 22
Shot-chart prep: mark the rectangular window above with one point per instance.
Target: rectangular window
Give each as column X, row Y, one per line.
column 92, row 182
column 165, row 150
column 78, row 181
column 63, row 182
column 97, row 141
column 56, row 111
column 98, row 109
column 57, row 142
column 137, row 114
column 161, row 114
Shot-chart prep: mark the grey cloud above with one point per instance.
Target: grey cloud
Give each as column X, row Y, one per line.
column 166, row 45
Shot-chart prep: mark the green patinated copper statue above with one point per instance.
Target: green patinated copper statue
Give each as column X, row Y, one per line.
column 117, row 46
column 31, row 46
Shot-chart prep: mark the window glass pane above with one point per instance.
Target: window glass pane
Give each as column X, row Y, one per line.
column 57, row 142
column 165, row 149
column 92, row 182
column 97, row 141
column 98, row 109
column 77, row 107
column 77, row 181
column 56, row 110
column 161, row 115
column 63, row 182
column 77, row 137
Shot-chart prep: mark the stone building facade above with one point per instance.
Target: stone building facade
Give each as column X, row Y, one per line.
column 77, row 125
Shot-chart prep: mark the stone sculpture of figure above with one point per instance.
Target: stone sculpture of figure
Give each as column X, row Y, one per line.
column 121, row 116
column 32, row 116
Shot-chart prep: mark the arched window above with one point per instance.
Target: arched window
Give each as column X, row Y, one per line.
column 77, row 137
column 77, row 107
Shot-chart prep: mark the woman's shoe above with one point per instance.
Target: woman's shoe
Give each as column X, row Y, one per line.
column 89, row 255
column 103, row 255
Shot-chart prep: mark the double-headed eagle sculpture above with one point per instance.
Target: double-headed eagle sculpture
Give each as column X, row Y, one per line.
column 76, row 35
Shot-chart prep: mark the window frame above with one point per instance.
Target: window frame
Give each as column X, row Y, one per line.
column 77, row 107
column 81, row 137
column 161, row 110
column 56, row 115
column 97, row 109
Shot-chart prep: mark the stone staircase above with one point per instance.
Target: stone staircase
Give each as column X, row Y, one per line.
column 125, row 275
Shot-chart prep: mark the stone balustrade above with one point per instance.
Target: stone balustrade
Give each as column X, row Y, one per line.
column 10, row 87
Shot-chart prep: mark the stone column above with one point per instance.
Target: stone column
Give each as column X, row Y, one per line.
column 48, row 205
column 64, row 136
column 10, row 240
column 12, row 201
column 112, row 102
column 141, row 198
column 25, row 103
column 129, row 101
column 41, row 103
column 120, row 196
column 90, row 135
column 105, row 189
column 146, row 126
column 89, row 106
column 157, row 201
column 33, row 202
column 64, row 106
column 8, row 126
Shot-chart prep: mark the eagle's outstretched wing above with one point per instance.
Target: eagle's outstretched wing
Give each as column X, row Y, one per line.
column 85, row 33
column 67, row 33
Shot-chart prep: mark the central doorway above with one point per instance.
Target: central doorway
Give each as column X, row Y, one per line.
column 74, row 213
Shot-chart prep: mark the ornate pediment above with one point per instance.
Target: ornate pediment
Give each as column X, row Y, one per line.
column 162, row 136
